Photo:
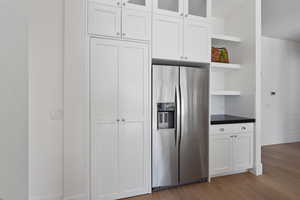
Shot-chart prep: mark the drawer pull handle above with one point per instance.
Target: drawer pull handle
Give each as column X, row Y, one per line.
column 244, row 128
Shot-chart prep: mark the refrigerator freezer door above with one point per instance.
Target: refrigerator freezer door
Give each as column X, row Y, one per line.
column 193, row 156
column 165, row 80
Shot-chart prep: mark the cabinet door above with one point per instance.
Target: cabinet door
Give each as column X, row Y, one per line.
column 108, row 2
column 104, row 115
column 136, row 24
column 222, row 154
column 168, row 7
column 167, row 37
column 143, row 5
column 196, row 9
column 243, row 152
column 104, row 20
column 134, row 139
column 196, row 41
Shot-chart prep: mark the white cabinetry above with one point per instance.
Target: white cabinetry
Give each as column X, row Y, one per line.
column 178, row 38
column 120, row 133
column 128, row 19
column 167, row 37
column 187, row 8
column 231, row 149
column 196, row 41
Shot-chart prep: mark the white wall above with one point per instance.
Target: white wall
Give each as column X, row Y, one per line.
column 281, row 70
column 46, row 99
column 76, row 103
column 14, row 100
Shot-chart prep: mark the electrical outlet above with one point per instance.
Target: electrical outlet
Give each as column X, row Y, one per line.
column 56, row 115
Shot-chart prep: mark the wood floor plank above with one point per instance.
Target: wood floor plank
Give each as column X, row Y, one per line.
column 281, row 181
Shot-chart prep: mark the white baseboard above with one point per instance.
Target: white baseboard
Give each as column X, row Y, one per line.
column 282, row 140
column 48, row 197
column 77, row 197
column 258, row 170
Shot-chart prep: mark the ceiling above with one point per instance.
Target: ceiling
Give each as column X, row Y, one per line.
column 280, row 19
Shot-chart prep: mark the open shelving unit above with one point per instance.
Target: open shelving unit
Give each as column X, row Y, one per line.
column 216, row 65
column 233, row 83
column 227, row 38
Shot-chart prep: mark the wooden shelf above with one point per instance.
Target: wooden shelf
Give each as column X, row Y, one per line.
column 225, row 38
column 225, row 93
column 216, row 65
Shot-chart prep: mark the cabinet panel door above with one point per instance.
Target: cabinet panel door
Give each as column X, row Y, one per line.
column 196, row 41
column 169, row 7
column 104, row 80
column 143, row 5
column 167, row 37
column 133, row 65
column 104, row 114
column 105, row 164
column 131, row 158
column 104, row 20
column 243, row 152
column 222, row 154
column 134, row 140
column 196, row 8
column 136, row 24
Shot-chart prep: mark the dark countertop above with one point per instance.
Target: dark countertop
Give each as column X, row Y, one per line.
column 229, row 119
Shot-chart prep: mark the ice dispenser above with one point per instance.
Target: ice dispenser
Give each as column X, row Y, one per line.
column 166, row 115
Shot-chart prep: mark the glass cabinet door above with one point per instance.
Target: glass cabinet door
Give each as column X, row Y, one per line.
column 168, row 7
column 197, row 8
column 137, row 4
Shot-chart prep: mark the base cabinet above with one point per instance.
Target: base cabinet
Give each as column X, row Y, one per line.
column 120, row 136
column 231, row 149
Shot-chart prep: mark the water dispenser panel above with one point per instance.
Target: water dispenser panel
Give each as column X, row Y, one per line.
column 166, row 115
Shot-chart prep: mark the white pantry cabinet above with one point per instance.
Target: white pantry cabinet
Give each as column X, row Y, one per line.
column 231, row 149
column 178, row 38
column 120, row 129
column 130, row 19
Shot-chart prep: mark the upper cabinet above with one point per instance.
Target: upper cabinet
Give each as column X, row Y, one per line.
column 127, row 19
column 187, row 8
column 138, row 4
column 168, row 7
column 179, row 38
column 181, row 30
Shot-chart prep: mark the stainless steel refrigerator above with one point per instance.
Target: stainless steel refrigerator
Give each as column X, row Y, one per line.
column 180, row 112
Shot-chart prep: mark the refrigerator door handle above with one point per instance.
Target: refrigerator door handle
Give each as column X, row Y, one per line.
column 179, row 120
column 176, row 113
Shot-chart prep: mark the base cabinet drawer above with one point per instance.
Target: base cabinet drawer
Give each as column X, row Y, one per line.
column 232, row 128
column 230, row 152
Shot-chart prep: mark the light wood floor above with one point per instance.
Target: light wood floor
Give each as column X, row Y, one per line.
column 281, row 181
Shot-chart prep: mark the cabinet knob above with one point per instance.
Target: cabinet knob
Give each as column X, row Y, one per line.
column 181, row 57
column 118, row 3
column 181, row 14
column 186, row 15
column 123, row 120
column 222, row 129
column 244, row 128
column 124, row 34
column 118, row 33
column 186, row 58
column 118, row 120
column 124, row 4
